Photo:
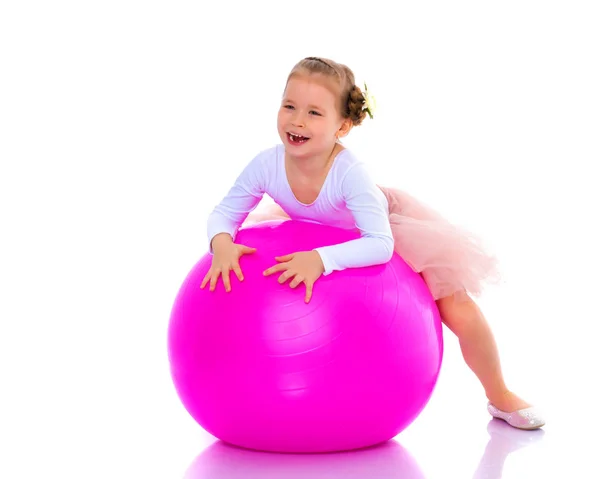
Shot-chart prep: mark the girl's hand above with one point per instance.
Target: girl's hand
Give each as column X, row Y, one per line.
column 226, row 257
column 304, row 267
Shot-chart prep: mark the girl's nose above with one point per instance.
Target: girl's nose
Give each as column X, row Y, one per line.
column 298, row 119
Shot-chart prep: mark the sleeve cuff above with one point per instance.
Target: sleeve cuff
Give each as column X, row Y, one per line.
column 218, row 229
column 326, row 261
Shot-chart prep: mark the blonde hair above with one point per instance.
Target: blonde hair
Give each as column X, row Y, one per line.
column 351, row 98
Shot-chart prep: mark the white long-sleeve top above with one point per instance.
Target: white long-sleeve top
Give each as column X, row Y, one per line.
column 348, row 199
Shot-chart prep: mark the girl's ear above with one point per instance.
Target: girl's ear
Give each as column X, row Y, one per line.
column 344, row 128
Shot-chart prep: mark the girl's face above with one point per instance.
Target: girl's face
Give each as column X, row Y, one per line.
column 309, row 122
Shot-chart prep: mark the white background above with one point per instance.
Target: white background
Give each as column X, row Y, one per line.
column 122, row 123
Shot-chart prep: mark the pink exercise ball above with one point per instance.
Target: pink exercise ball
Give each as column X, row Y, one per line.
column 261, row 369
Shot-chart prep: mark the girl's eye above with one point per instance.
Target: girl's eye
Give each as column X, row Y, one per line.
column 313, row 112
column 288, row 107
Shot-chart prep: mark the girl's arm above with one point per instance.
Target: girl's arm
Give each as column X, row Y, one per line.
column 369, row 207
column 245, row 194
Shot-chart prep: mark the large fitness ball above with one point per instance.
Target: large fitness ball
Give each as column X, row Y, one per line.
column 261, row 369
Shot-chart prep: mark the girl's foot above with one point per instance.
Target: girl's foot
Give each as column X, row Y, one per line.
column 527, row 418
column 508, row 402
column 515, row 411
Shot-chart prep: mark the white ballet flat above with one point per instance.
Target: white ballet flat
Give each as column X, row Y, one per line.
column 528, row 418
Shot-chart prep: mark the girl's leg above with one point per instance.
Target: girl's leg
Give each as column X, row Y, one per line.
column 466, row 321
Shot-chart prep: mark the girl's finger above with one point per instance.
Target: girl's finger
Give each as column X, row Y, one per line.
column 285, row 276
column 296, row 281
column 274, row 269
column 287, row 257
column 213, row 279
column 226, row 280
column 309, row 292
column 238, row 271
column 205, row 280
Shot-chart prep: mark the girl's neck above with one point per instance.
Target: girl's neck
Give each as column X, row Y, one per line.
column 315, row 166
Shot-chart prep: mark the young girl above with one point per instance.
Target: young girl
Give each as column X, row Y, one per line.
column 311, row 176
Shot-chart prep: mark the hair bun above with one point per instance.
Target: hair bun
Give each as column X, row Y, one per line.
column 356, row 103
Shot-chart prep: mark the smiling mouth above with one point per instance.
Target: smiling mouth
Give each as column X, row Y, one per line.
column 296, row 139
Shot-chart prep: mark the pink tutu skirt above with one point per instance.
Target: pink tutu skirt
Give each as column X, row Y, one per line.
column 451, row 260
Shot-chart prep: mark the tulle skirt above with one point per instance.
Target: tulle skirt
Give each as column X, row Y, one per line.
column 451, row 259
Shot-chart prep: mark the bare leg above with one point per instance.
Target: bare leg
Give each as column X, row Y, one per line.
column 478, row 346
